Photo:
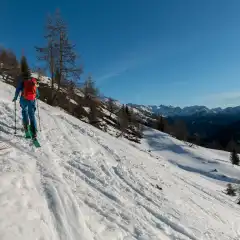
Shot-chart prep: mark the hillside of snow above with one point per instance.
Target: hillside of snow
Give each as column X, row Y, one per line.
column 84, row 184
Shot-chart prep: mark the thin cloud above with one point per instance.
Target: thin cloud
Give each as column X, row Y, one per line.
column 223, row 99
column 111, row 75
column 119, row 67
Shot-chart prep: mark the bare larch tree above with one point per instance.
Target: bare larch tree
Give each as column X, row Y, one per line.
column 59, row 54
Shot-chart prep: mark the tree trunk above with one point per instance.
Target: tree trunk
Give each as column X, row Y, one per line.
column 60, row 61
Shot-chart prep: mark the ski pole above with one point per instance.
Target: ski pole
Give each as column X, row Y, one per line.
column 15, row 117
column 38, row 117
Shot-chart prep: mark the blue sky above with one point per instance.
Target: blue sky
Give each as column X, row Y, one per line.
column 173, row 52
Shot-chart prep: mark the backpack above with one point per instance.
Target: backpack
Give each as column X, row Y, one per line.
column 30, row 89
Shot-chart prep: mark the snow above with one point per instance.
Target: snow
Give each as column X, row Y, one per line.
column 43, row 79
column 73, row 101
column 140, row 114
column 107, row 113
column 85, row 184
column 209, row 163
column 79, row 92
column 87, row 109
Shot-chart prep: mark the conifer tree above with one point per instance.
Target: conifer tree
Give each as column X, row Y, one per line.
column 25, row 71
column 234, row 158
column 230, row 190
column 180, row 130
column 128, row 114
column 123, row 119
column 89, row 88
column 160, row 124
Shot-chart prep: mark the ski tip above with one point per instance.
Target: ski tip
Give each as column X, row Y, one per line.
column 36, row 143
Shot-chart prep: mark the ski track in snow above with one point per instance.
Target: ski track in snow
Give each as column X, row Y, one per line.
column 84, row 184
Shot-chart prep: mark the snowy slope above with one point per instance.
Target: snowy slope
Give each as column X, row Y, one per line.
column 85, row 184
column 211, row 164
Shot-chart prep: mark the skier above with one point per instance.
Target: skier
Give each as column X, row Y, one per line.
column 29, row 92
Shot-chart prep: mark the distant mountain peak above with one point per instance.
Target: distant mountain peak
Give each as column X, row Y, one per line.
column 169, row 111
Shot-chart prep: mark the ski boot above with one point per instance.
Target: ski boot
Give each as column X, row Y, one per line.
column 34, row 137
column 27, row 130
column 33, row 132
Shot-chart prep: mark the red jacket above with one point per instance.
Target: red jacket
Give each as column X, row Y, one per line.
column 30, row 89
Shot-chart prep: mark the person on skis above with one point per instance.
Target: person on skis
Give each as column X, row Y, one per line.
column 27, row 85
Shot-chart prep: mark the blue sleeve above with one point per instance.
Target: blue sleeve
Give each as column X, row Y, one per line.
column 38, row 94
column 19, row 88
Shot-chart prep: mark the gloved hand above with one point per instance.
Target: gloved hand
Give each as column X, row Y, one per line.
column 14, row 99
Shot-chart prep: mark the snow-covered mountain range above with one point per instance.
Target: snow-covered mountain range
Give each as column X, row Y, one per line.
column 186, row 111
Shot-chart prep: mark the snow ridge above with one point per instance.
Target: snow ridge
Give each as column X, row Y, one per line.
column 170, row 111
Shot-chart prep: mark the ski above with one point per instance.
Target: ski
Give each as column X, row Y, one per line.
column 28, row 135
column 36, row 142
